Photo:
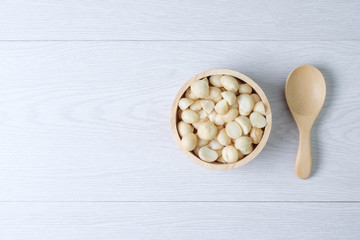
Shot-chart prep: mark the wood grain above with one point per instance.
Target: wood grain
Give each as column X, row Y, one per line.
column 181, row 20
column 89, row 121
column 179, row 221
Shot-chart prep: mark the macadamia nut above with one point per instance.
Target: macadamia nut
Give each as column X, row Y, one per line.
column 243, row 144
column 212, row 116
column 233, row 130
column 205, row 79
column 240, row 155
column 197, row 124
column 215, row 80
column 184, row 128
column 220, row 159
column 230, row 154
column 223, row 138
column 189, row 141
column 189, row 94
column 207, row 105
column 257, row 120
column 214, row 94
column 189, row 116
column 207, row 154
column 229, row 83
column 255, row 97
column 230, row 97
column 221, row 107
column 246, row 104
column 219, row 120
column 196, row 150
column 260, row 108
column 230, row 115
column 202, row 114
column 196, row 105
column 256, row 135
column 215, row 145
column 184, row 103
column 200, row 88
column 245, row 88
column 207, row 131
column 202, row 142
column 244, row 123
column 248, row 151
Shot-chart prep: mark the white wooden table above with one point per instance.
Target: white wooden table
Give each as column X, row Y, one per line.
column 85, row 153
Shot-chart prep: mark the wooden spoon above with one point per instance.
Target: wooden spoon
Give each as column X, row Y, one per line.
column 305, row 92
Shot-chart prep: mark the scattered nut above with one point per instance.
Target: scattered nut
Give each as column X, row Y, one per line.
column 189, row 141
column 200, row 88
column 230, row 97
column 257, row 120
column 260, row 108
column 230, row 154
column 233, row 130
column 207, row 154
column 207, row 131
column 223, row 138
column 245, row 88
column 221, row 107
column 244, row 123
column 189, row 116
column 184, row 128
column 184, row 103
column 256, row 135
column 229, row 83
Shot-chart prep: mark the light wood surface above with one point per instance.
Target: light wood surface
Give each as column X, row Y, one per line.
column 70, row 134
column 86, row 147
column 179, row 220
column 324, row 20
column 305, row 92
column 257, row 89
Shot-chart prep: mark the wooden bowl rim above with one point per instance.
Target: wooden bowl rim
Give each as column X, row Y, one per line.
column 215, row 165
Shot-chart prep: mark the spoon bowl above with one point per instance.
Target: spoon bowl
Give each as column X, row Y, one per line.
column 305, row 92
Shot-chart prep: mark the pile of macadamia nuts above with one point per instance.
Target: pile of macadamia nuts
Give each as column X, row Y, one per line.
column 220, row 119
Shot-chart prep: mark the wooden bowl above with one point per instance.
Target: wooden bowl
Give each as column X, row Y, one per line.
column 216, row 165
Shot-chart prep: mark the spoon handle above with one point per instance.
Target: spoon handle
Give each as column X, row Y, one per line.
column 303, row 165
